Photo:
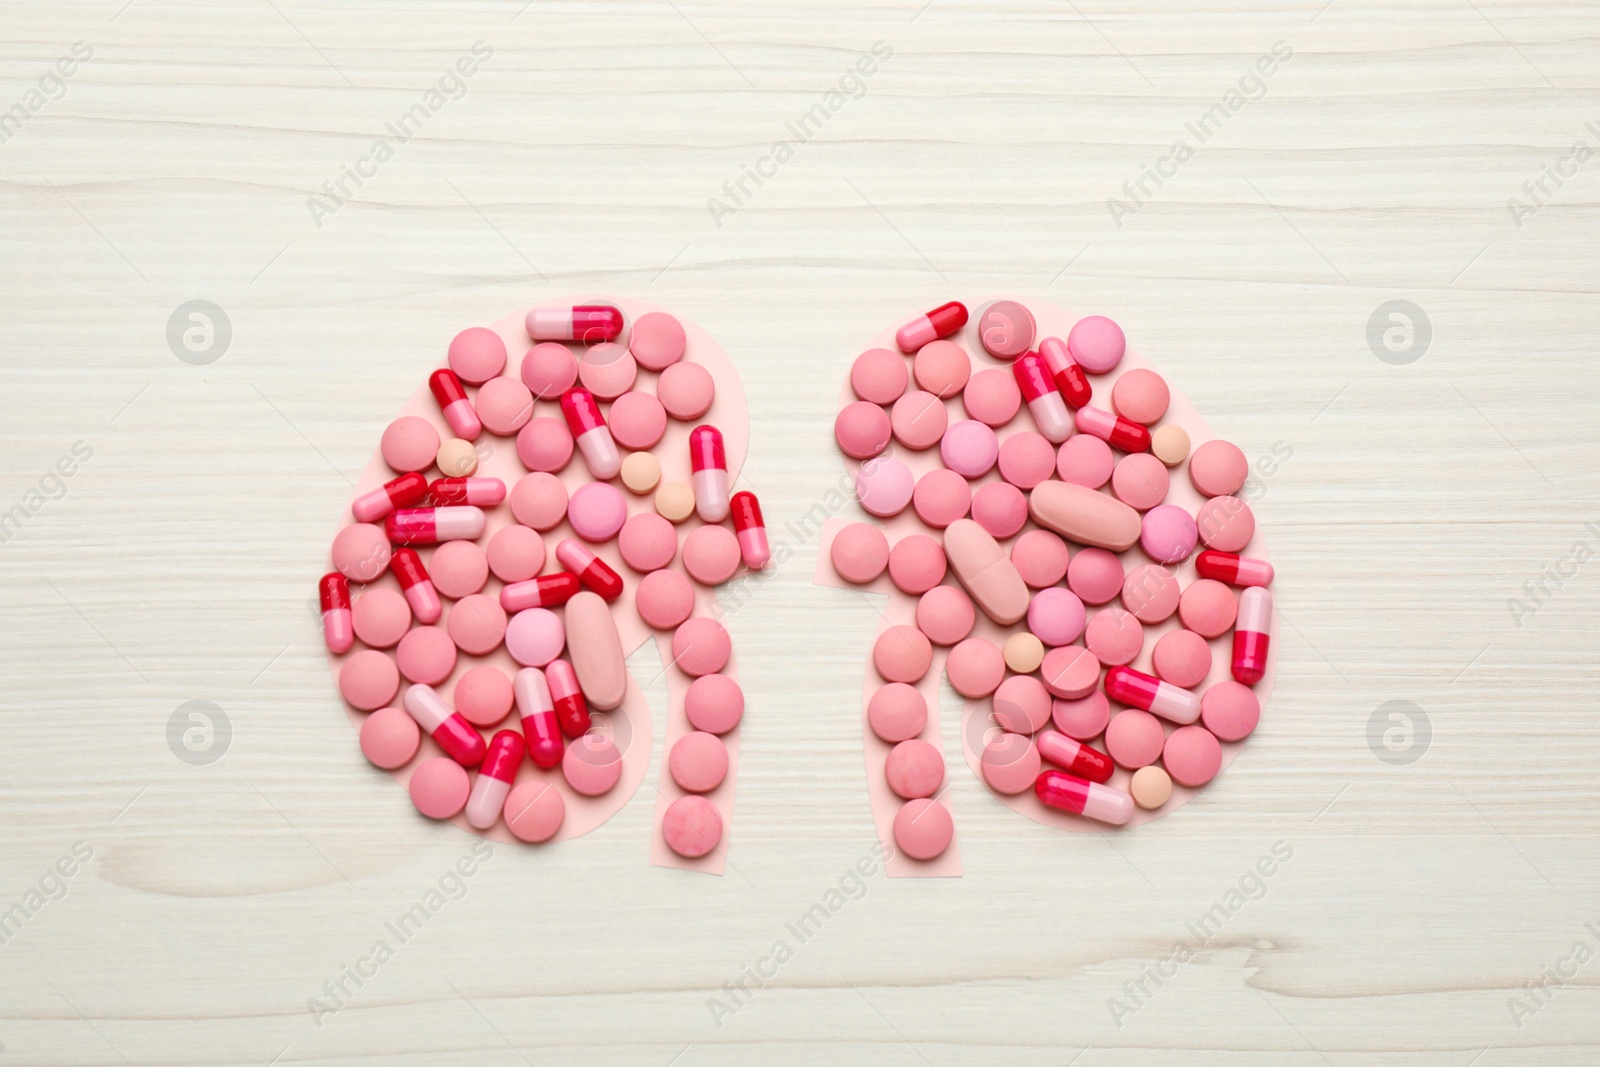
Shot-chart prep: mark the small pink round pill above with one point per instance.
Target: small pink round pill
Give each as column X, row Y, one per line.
column 1208, row 607
column 1226, row 524
column 862, row 430
column 714, row 703
column 381, row 617
column 1041, row 558
column 859, row 552
column 1010, row 763
column 458, row 569
column 1026, row 459
column 477, row 624
column 664, row 599
column 1230, row 710
column 884, row 486
column 902, row 654
column 535, row 636
column 711, row 554
column 637, row 420
column 538, row 500
column 504, row 405
column 647, row 542
column 1218, row 468
column 439, row 787
column 544, row 444
column 1192, row 756
column 942, row 368
column 698, row 762
column 945, row 614
column 426, row 655
column 1000, row 508
column 607, row 370
column 1134, row 738
column 549, row 369
column 409, row 444
column 534, row 811
column 1095, row 575
column 941, row 497
column 657, row 340
column 914, row 769
column 515, row 553
column 1182, row 657
column 1114, row 636
column 1141, row 396
column 1056, row 616
column 390, row 738
column 969, row 448
column 361, row 552
column 1070, row 672
column 1140, row 481
column 597, row 511
column 879, row 376
column 1150, row 591
column 701, row 646
column 1083, row 719
column 975, row 668
column 692, row 826
column 483, row 696
column 923, row 829
column 1085, row 460
column 918, row 420
column 992, row 397
column 592, row 764
column 1021, row 704
column 1096, row 344
column 917, row 564
column 1167, row 533
column 1006, row 329
column 686, row 390
column 477, row 354
column 368, row 679
column 897, row 712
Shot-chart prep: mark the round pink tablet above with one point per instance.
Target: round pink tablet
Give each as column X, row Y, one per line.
column 698, row 762
column 597, row 511
column 859, row 552
column 607, row 370
column 549, row 369
column 1085, row 460
column 647, row 542
column 1208, row 608
column 1006, row 329
column 477, row 354
column 1026, row 459
column 504, row 405
column 711, row 554
column 1134, row 738
column 1096, row 344
column 969, row 448
column 368, row 679
column 515, row 553
column 1021, row 704
column 1141, row 395
column 1082, row 719
column 879, row 376
column 637, row 420
column 975, row 668
column 862, row 430
column 1192, row 756
column 902, row 654
column 1056, row 616
column 1070, row 672
column 714, row 703
column 1041, row 558
column 538, row 500
column 918, row 419
column 1230, row 710
column 534, row 811
column 426, row 655
column 686, row 390
column 657, row 341
column 664, row 599
column 458, row 569
column 1114, row 636
column 592, row 764
column 1167, row 533
column 884, row 486
column 483, row 696
column 1218, row 468
column 897, row 712
column 544, row 444
column 923, row 829
column 1095, row 575
column 1140, row 481
column 1150, row 591
column 1182, row 657
column 409, row 444
column 477, row 624
column 1000, row 508
column 992, row 397
column 1226, row 524
column 361, row 552
column 535, row 637
column 917, row 564
column 914, row 769
column 1010, row 764
column 692, row 826
column 941, row 497
column 390, row 738
column 942, row 368
column 439, row 787
column 945, row 614
column 381, row 617
column 701, row 646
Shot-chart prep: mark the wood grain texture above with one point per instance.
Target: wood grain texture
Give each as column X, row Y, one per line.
column 178, row 562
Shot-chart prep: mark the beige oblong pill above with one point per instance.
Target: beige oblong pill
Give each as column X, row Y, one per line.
column 1085, row 515
column 595, row 651
column 983, row 567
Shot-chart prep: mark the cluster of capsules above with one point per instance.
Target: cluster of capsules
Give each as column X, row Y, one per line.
column 1035, row 530
column 424, row 529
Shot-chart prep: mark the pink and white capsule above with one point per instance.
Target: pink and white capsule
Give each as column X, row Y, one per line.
column 1252, row 635
column 1045, row 402
column 587, row 323
column 1068, row 792
column 942, row 321
column 595, row 573
column 1140, row 690
column 429, row 526
column 338, row 626
column 499, row 770
column 572, row 710
column 416, row 585
column 479, row 492
column 402, row 492
column 1069, row 377
column 450, row 730
column 545, row 591
column 458, row 410
column 752, row 530
column 538, row 712
column 591, row 433
column 1232, row 568
column 709, row 462
column 1114, row 430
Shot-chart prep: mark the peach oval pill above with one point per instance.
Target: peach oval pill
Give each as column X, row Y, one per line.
column 637, row 421
column 941, row 497
column 923, row 829
column 1192, row 756
column 1151, row 787
column 457, row 458
column 549, row 369
column 862, row 430
column 1230, row 710
column 409, row 444
column 1041, row 558
column 477, row 354
column 597, row 511
column 1225, row 523
column 884, row 486
column 361, row 552
column 1114, row 636
column 1081, row 514
column 381, row 617
column 1083, row 719
column 692, row 826
column 664, row 599
column 1010, row 763
column 879, row 376
column 1140, row 481
column 1167, row 533
column 426, row 655
column 515, row 553
column 657, row 341
column 641, row 473
column 859, row 552
column 1169, row 444
column 969, row 448
column 538, row 500
column 592, row 764
column 483, row 696
column 942, row 368
column 1208, row 607
column 701, row 646
column 1085, row 460
column 714, row 703
column 595, row 651
column 1141, row 395
column 1182, row 657
column 368, row 679
column 914, row 769
column 675, row 501
column 1095, row 575
column 992, row 397
column 534, row 636
column 544, row 444
column 1006, row 329
column 711, row 554
column 918, row 420
column 439, row 787
column 1134, row 738
column 686, row 390
column 897, row 712
column 1000, row 508
column 1056, row 616
column 607, row 370
column 1026, row 459
column 504, row 405
column 647, row 542
column 1218, row 468
column 1150, row 591
column 984, row 569
column 902, row 654
column 1070, row 672
column 945, row 615
column 1096, row 344
column 390, row 738
column 975, row 668
column 534, row 811
column 916, row 564
column 477, row 624
column 698, row 762
column 1021, row 704
column 458, row 569
column 1023, row 652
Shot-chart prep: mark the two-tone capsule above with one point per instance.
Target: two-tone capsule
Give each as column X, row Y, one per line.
column 538, row 712
column 499, row 770
column 1233, row 568
column 1068, row 792
column 545, row 591
column 416, row 585
column 401, row 492
column 1071, row 382
column 587, row 324
column 1252, row 635
column 449, row 729
column 477, row 492
column 1045, row 402
column 572, row 710
column 752, row 530
column 338, row 625
column 1137, row 689
column 1074, row 756
column 1114, row 430
column 942, row 321
column 595, row 574
column 709, row 462
column 591, row 434
column 452, row 398
column 429, row 526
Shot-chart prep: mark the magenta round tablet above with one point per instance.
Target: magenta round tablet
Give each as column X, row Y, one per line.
column 657, row 340
column 945, row 614
column 458, row 569
column 1085, row 460
column 918, row 420
column 902, row 654
column 1226, row 524
column 714, row 703
column 941, row 497
column 538, row 500
column 534, row 811
column 692, row 826
column 477, row 624
column 1150, row 591
column 409, row 444
column 711, row 554
column 1192, row 756
column 879, row 376
column 535, row 637
column 483, row 695
column 477, row 354
column 923, row 829
column 544, row 444
column 647, row 542
column 1140, row 481
column 1070, row 672
column 975, row 668
column 698, row 762
column 361, row 552
column 1167, row 533
column 607, row 370
column 504, row 405
column 897, row 712
column 1096, row 344
column 1083, row 719
column 515, row 553
column 439, row 787
column 549, row 369
column 917, row 564
column 597, row 511
column 592, row 764
column 1208, row 607
column 1218, row 468
column 1114, row 636
column 637, row 420
column 426, row 655
column 942, row 368
column 1095, row 575
column 701, row 646
column 862, row 430
column 664, row 599
column 969, row 448
column 859, row 552
column 1140, row 395
column 1000, row 508
column 1230, row 710
column 1026, row 459
column 1021, row 704
column 381, row 617
column 1134, row 738
column 1056, row 616
column 368, row 679
column 914, row 769
column 992, row 397
column 390, row 738
column 1181, row 657
column 686, row 390
column 884, row 486
column 1010, row 763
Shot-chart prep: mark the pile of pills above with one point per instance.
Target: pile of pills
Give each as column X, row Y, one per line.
column 450, row 580
column 1130, row 617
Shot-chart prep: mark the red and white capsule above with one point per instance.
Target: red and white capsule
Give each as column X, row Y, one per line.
column 478, row 492
column 942, row 321
column 402, row 492
column 590, row 432
column 709, row 462
column 1252, row 635
column 1074, row 756
column 752, row 530
column 587, row 324
column 1128, row 686
column 429, row 526
column 338, row 625
column 595, row 574
column 1232, row 568
column 1045, row 403
column 545, row 591
column 1071, row 382
column 1068, row 792
column 416, row 585
column 572, row 710
column 499, row 770
column 458, row 410
column 1115, row 430
column 538, row 712
column 450, row 730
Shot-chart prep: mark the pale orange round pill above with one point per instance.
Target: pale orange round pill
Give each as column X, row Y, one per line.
column 641, row 473
column 675, row 501
column 1023, row 652
column 1151, row 787
column 1170, row 444
column 457, row 458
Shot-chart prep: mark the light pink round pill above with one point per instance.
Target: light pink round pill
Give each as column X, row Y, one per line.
column 1021, row 704
column 426, row 655
column 361, row 552
column 534, row 811
column 1000, row 508
column 664, row 599
column 701, row 646
column 657, row 341
column 439, row 787
column 607, row 370
column 914, row 769
column 917, row 564
column 1083, row 719
column 1192, row 756
column 1010, row 763
column 918, row 420
column 1141, row 396
column 1114, row 636
column 458, row 569
column 368, row 679
column 1150, row 591
column 897, row 712
column 381, row 617
column 477, row 624
column 945, row 614
column 1226, row 524
column 477, row 354
column 711, row 554
column 592, row 764
column 1218, row 468
column 409, row 444
column 544, row 444
column 1134, row 738
column 686, row 390
column 992, row 397
column 535, row 637
column 1041, row 558
column 941, row 497
column 923, row 829
column 1167, row 533
column 1070, row 672
column 1140, row 481
column 390, row 738
column 1096, row 344
column 504, row 405
column 515, row 553
column 714, row 703
column 1006, row 329
column 1181, row 657
column 698, row 762
column 538, row 500
column 902, row 654
column 1230, row 710
column 862, row 430
column 1026, row 459
column 637, row 420
column 647, row 542
column 549, row 369
column 942, row 368
column 1208, row 607
column 1095, row 575
column 692, row 826
column 879, row 376
column 597, row 511
column 969, row 448
column 1056, row 616
column 483, row 696
column 884, row 486
column 975, row 668
column 1085, row 460
column 859, row 552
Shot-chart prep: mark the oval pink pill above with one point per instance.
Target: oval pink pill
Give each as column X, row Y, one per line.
column 1056, row 616
column 879, row 376
column 1192, row 756
column 862, row 430
column 597, row 511
column 692, row 826
column 390, row 738
column 859, row 552
column 969, row 448
column 923, row 829
column 439, row 787
column 1167, row 533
